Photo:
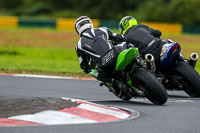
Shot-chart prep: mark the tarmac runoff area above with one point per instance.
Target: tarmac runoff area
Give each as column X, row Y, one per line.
column 58, row 111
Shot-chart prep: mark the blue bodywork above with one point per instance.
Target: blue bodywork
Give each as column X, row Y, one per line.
column 170, row 57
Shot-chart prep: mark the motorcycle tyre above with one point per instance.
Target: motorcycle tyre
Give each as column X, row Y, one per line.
column 191, row 79
column 153, row 89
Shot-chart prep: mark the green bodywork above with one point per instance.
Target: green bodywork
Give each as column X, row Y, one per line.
column 125, row 58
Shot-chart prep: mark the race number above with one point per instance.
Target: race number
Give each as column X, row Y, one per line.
column 107, row 58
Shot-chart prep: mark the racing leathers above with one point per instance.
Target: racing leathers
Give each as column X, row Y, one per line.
column 146, row 39
column 93, row 46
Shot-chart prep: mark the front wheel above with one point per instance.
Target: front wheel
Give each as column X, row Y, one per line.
column 148, row 83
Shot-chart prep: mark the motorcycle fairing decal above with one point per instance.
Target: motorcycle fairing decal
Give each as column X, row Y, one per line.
column 174, row 48
column 169, row 58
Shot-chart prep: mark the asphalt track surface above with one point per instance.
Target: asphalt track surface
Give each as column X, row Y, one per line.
column 181, row 114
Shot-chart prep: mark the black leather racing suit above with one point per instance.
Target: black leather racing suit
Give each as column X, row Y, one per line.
column 93, row 45
column 145, row 39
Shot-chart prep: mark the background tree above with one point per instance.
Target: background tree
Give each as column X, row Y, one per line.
column 182, row 11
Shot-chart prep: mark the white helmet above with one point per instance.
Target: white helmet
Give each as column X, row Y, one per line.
column 83, row 23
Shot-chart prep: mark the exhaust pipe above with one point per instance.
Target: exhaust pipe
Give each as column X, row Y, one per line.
column 150, row 64
column 193, row 59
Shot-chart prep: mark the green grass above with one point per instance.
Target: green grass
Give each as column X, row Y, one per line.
column 36, row 59
column 49, row 51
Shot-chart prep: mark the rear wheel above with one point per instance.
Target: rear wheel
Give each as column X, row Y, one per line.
column 148, row 83
column 190, row 79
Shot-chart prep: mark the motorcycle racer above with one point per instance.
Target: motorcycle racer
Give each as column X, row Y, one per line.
column 95, row 51
column 146, row 39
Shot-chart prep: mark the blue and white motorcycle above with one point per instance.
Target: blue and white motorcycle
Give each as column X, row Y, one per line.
column 176, row 72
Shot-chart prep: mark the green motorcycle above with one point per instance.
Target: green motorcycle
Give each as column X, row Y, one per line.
column 139, row 82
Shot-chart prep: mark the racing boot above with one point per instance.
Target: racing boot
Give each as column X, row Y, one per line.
column 121, row 90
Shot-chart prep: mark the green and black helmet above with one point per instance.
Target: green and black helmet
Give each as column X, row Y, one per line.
column 125, row 23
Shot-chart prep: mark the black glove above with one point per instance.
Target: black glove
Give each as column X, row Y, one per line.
column 119, row 38
column 157, row 33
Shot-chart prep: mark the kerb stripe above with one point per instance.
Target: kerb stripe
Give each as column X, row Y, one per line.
column 104, row 111
column 51, row 117
column 99, row 117
column 101, row 106
column 12, row 122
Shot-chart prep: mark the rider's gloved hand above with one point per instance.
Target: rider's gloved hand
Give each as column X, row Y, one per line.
column 157, row 33
column 119, row 38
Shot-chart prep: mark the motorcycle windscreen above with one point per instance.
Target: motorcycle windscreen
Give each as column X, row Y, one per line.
column 125, row 58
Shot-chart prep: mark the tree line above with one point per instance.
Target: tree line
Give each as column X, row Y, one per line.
column 181, row 11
